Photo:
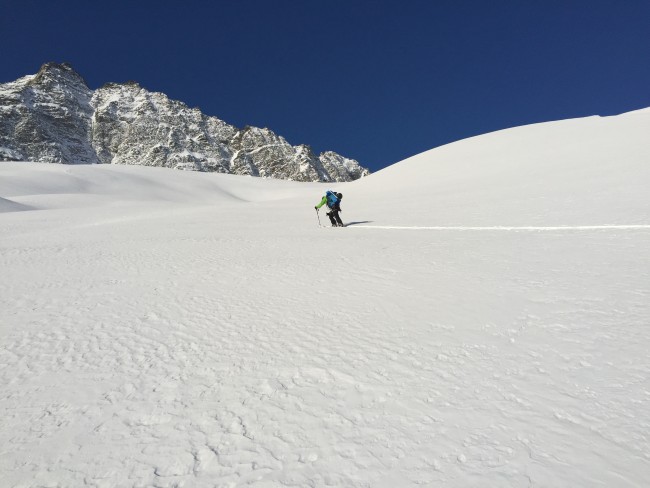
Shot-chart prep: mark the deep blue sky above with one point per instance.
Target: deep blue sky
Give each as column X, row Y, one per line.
column 377, row 81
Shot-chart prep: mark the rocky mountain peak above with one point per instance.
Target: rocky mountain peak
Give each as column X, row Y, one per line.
column 62, row 74
column 54, row 117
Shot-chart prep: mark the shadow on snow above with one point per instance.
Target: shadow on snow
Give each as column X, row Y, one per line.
column 359, row 222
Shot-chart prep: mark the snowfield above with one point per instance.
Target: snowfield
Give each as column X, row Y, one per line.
column 483, row 321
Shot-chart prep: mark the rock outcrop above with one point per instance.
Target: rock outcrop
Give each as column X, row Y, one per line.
column 54, row 117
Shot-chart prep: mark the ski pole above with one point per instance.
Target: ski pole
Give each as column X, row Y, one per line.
column 318, row 217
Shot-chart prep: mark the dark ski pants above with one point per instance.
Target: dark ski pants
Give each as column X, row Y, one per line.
column 333, row 214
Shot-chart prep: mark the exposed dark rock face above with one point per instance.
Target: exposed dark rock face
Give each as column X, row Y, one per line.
column 54, row 117
column 46, row 117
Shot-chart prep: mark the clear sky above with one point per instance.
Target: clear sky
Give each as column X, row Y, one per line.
column 377, row 81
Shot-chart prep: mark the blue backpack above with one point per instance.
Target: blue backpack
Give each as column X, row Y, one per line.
column 332, row 198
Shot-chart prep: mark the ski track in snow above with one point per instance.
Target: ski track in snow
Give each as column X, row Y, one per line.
column 510, row 228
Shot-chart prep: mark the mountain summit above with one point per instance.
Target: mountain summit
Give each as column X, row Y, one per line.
column 54, row 117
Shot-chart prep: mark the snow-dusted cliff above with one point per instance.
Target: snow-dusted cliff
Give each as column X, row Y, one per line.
column 54, row 117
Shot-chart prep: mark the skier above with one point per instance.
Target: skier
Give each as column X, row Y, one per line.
column 333, row 202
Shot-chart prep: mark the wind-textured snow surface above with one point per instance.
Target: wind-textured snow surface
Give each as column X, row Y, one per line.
column 484, row 320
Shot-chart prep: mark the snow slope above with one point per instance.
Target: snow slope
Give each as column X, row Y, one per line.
column 483, row 321
column 572, row 172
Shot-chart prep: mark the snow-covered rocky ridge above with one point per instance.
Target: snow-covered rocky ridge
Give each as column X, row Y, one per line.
column 482, row 321
column 54, row 117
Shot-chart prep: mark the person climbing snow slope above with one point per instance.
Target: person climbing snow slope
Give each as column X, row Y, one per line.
column 333, row 202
